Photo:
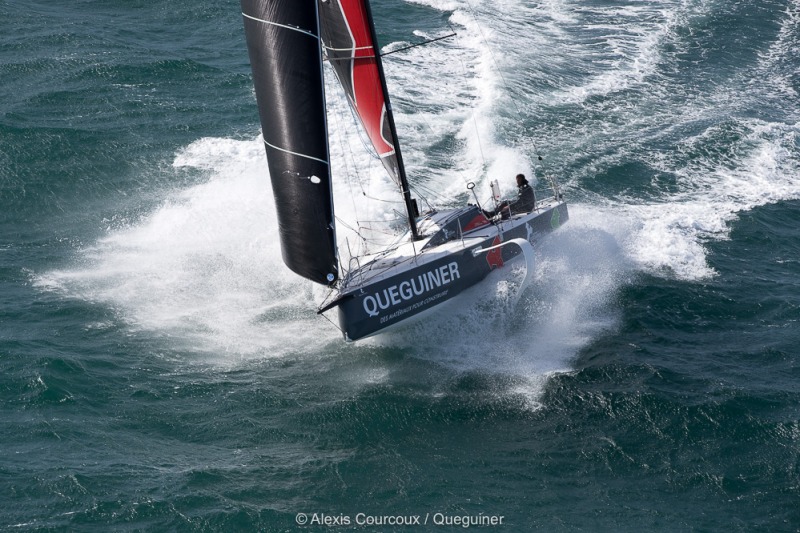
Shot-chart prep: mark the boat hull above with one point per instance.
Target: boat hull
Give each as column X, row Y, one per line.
column 435, row 278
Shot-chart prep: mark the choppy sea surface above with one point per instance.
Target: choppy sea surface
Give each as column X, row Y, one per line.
column 161, row 370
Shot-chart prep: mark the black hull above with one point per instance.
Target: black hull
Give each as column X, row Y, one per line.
column 372, row 308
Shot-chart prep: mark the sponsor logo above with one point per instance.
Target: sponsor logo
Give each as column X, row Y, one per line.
column 495, row 257
column 410, row 289
column 555, row 219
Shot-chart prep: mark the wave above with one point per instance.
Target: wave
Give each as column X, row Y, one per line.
column 204, row 268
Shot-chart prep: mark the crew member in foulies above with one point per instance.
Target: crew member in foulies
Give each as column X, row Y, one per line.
column 525, row 202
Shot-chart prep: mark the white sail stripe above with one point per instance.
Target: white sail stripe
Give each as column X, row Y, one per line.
column 351, row 58
column 347, row 49
column 293, row 28
column 294, row 153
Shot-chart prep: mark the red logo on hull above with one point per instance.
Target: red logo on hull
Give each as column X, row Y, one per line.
column 495, row 257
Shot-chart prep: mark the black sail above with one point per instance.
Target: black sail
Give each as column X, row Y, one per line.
column 285, row 56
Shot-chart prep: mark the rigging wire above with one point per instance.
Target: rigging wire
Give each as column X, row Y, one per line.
column 357, row 183
column 418, row 44
column 349, row 170
column 500, row 72
column 464, row 178
column 422, row 191
column 329, row 320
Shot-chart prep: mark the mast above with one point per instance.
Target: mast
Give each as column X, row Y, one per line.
column 404, row 188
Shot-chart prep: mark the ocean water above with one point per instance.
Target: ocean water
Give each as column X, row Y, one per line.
column 161, row 370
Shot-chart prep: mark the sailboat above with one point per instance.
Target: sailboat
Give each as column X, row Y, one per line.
column 442, row 253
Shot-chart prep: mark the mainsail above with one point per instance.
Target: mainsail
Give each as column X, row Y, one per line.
column 350, row 49
column 348, row 35
column 285, row 55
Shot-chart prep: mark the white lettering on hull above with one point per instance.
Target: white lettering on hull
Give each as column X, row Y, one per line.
column 407, row 290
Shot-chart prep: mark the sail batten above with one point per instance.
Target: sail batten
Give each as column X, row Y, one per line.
column 271, row 23
column 295, row 153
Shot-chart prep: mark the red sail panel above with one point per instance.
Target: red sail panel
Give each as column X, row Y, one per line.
column 368, row 98
column 347, row 38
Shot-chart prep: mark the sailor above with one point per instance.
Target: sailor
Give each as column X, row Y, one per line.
column 526, row 199
column 525, row 202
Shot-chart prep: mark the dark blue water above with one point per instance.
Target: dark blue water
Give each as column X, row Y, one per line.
column 161, row 370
